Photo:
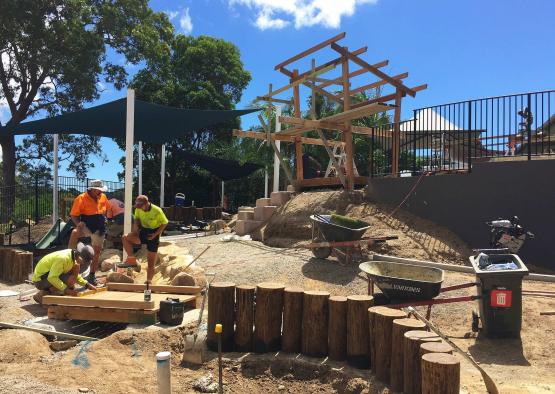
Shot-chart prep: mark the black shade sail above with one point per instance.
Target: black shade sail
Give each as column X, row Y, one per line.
column 225, row 170
column 156, row 124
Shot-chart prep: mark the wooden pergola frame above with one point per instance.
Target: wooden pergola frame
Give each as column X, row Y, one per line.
column 314, row 79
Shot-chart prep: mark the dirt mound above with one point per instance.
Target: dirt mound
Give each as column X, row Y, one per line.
column 19, row 344
column 418, row 238
column 38, row 230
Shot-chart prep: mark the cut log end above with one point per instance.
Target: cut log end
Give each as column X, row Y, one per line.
column 440, row 374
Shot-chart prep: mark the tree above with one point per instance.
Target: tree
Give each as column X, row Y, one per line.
column 54, row 55
column 203, row 73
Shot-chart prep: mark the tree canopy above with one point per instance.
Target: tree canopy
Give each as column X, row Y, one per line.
column 54, row 59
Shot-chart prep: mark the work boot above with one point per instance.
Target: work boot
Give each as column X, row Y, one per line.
column 38, row 296
column 92, row 279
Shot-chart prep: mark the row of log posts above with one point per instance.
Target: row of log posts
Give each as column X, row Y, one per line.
column 315, row 324
column 15, row 265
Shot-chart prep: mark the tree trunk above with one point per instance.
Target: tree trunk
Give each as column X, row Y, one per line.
column 315, row 323
column 411, row 366
column 383, row 327
column 358, row 351
column 292, row 319
column 400, row 326
column 337, row 328
column 441, row 374
column 268, row 317
column 244, row 321
column 221, row 307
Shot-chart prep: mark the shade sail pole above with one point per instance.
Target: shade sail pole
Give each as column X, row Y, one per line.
column 162, row 174
column 266, row 182
column 140, row 152
column 223, row 190
column 55, row 195
column 129, row 138
column 276, row 158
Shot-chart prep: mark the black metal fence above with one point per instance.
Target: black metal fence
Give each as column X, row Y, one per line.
column 31, row 200
column 449, row 137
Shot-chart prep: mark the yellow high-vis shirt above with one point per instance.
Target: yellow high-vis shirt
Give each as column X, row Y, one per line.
column 56, row 264
column 151, row 219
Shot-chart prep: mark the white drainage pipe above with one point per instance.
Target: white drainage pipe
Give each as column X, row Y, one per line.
column 163, row 372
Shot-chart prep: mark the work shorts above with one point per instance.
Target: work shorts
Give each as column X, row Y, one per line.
column 97, row 238
column 151, row 244
column 44, row 284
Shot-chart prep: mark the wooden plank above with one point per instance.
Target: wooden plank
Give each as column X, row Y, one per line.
column 274, row 100
column 294, row 83
column 310, row 123
column 140, row 287
column 297, row 113
column 360, row 71
column 282, row 162
column 313, row 49
column 359, row 112
column 347, row 134
column 48, row 332
column 386, row 98
column 330, row 181
column 114, row 315
column 361, row 130
column 286, row 138
column 124, row 300
column 323, row 92
column 332, row 158
column 373, row 69
column 374, row 85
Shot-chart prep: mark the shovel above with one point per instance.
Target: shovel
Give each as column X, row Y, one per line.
column 191, row 353
column 490, row 384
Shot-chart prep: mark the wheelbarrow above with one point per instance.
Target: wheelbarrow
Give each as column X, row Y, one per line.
column 328, row 237
column 405, row 285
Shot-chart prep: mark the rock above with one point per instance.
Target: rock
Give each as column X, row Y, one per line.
column 205, row 384
column 281, row 387
column 83, row 390
column 108, row 258
column 60, row 346
column 183, row 279
column 217, row 225
column 119, row 278
column 106, row 265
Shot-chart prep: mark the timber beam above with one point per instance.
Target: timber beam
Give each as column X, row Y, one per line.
column 307, row 52
column 286, row 138
column 372, row 69
column 374, row 85
column 384, row 99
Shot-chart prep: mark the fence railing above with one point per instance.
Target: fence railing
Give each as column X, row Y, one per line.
column 449, row 137
column 32, row 200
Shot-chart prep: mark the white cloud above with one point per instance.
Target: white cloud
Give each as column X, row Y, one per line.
column 171, row 14
column 276, row 14
column 185, row 21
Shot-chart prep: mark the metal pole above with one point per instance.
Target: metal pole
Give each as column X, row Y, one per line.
column 162, row 174
column 129, row 139
column 222, row 197
column 55, row 195
column 529, row 126
column 265, row 182
column 469, row 136
column 36, row 199
column 276, row 158
column 140, row 167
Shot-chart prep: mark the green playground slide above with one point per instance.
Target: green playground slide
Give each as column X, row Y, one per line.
column 57, row 233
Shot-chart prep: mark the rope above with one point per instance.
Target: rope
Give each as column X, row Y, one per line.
column 411, row 191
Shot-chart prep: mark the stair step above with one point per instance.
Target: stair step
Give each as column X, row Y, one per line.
column 262, row 202
column 264, row 213
column 246, row 215
column 279, row 198
column 244, row 227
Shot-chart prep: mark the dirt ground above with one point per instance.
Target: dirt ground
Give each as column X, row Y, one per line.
column 125, row 361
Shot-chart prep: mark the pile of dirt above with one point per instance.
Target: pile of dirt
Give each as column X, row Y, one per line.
column 18, row 345
column 418, row 238
column 38, row 230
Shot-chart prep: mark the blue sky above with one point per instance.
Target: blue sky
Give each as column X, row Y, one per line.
column 461, row 49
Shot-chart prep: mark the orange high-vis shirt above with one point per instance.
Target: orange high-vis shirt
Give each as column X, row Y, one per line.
column 84, row 204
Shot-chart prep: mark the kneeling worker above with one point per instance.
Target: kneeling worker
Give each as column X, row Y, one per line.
column 57, row 272
column 150, row 222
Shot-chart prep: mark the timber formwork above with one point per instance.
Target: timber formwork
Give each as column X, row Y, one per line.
column 341, row 122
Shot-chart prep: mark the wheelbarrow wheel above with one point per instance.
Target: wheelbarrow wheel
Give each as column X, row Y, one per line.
column 321, row 253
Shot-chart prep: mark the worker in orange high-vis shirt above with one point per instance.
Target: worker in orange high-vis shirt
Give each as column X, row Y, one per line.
column 89, row 216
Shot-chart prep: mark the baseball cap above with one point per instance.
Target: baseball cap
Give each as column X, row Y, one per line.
column 86, row 252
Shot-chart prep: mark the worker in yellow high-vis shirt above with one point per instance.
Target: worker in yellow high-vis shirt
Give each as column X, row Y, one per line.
column 58, row 272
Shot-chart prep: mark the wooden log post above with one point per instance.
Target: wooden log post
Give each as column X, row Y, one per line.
column 435, row 347
column 292, row 319
column 244, row 321
column 411, row 365
column 315, row 323
column 383, row 328
column 268, row 317
column 11, row 264
column 441, row 374
column 26, row 266
column 372, row 335
column 221, row 308
column 400, row 326
column 358, row 352
column 337, row 328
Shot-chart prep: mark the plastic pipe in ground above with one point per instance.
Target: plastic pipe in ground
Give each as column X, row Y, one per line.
column 450, row 267
column 163, row 372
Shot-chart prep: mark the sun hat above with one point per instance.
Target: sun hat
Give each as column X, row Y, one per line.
column 97, row 184
column 86, row 252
